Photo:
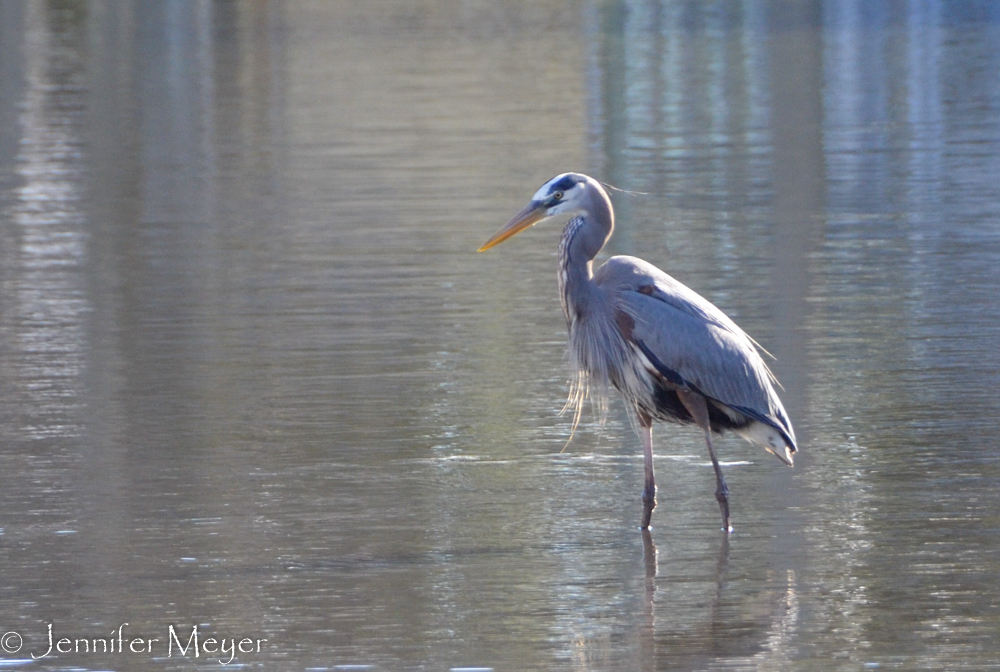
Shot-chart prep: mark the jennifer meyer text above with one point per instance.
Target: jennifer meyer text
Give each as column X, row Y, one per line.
column 177, row 642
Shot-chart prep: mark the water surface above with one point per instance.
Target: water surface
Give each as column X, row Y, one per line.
column 254, row 378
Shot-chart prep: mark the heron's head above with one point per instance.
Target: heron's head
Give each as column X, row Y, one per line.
column 565, row 194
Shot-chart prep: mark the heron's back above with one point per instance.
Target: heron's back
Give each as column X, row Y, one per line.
column 686, row 342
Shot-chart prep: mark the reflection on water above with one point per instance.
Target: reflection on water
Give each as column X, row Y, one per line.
column 253, row 378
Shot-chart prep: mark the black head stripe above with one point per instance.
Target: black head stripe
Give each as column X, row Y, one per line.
column 565, row 184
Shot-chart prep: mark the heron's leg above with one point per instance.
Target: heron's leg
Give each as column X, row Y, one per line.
column 649, row 491
column 721, row 489
column 698, row 408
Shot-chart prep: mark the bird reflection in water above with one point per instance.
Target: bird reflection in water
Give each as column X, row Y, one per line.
column 741, row 628
column 647, row 637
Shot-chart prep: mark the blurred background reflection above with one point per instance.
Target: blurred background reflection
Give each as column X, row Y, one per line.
column 254, row 378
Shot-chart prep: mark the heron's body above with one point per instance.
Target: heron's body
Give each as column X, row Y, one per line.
column 671, row 353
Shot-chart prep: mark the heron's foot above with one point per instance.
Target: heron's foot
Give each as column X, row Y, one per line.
column 648, row 504
column 722, row 497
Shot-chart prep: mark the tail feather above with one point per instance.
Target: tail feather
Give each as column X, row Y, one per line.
column 785, row 455
column 770, row 439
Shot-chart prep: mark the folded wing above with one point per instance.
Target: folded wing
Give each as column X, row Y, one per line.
column 692, row 344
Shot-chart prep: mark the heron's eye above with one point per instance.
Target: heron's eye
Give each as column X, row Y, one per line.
column 558, row 195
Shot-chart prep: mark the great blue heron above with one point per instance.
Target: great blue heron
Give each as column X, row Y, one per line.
column 672, row 354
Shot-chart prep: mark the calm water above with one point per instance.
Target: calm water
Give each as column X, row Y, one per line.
column 254, row 380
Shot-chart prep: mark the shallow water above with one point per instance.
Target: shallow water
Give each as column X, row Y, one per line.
column 255, row 380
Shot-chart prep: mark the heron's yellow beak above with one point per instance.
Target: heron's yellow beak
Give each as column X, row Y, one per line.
column 533, row 213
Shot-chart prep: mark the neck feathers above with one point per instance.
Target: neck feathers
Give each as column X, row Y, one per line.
column 582, row 239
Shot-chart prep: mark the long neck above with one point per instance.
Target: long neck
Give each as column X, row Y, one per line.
column 582, row 239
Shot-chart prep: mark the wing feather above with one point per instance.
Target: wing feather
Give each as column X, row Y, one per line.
column 691, row 341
